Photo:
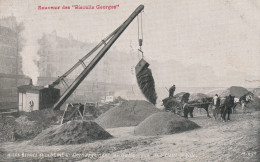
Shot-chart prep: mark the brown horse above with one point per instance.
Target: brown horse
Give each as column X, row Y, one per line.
column 203, row 103
column 226, row 107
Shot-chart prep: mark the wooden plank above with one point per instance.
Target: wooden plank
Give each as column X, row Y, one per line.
column 9, row 112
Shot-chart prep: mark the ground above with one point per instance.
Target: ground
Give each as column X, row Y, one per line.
column 235, row 140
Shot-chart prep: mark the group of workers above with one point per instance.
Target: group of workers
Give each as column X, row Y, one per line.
column 216, row 100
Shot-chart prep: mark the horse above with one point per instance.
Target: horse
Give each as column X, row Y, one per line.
column 246, row 98
column 226, row 107
column 203, row 103
column 236, row 102
column 175, row 106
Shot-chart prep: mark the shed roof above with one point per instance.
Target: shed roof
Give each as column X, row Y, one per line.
column 25, row 88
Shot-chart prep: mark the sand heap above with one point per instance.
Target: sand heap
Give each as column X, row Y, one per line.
column 234, row 91
column 21, row 128
column 197, row 96
column 45, row 117
column 72, row 132
column 256, row 91
column 255, row 103
column 129, row 113
column 164, row 123
column 178, row 96
column 215, row 91
column 240, row 91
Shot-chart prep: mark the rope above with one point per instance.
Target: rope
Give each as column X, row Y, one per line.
column 140, row 36
column 142, row 25
column 138, row 27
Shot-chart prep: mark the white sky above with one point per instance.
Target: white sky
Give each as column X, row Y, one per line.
column 223, row 35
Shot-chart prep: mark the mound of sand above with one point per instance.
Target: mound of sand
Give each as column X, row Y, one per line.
column 178, row 96
column 215, row 91
column 197, row 96
column 129, row 113
column 12, row 129
column 46, row 116
column 239, row 92
column 255, row 103
column 164, row 123
column 256, row 91
column 27, row 125
column 72, row 132
column 234, row 91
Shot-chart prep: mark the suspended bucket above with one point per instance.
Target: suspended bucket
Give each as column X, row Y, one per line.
column 145, row 81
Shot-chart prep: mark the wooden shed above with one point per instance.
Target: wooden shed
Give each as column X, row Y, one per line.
column 36, row 97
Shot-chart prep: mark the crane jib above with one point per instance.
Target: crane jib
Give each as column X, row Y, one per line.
column 96, row 59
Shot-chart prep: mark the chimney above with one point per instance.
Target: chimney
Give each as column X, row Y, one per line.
column 31, row 82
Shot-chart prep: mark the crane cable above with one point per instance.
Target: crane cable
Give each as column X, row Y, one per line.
column 140, row 36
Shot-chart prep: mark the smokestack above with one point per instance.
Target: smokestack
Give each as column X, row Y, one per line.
column 31, row 82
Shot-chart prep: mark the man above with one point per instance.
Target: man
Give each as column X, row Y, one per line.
column 216, row 103
column 185, row 98
column 171, row 91
column 215, row 99
column 31, row 104
column 243, row 106
column 184, row 101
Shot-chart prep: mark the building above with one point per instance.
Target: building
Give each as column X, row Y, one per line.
column 58, row 54
column 10, row 59
column 11, row 74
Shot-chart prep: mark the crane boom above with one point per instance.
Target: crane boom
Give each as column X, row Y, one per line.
column 97, row 58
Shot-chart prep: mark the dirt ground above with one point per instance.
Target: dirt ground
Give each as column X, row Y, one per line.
column 236, row 140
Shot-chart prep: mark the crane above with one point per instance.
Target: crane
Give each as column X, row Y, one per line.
column 107, row 42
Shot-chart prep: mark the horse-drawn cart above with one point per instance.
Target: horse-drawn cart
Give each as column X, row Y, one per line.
column 183, row 109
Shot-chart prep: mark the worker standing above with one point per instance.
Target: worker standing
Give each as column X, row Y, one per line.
column 171, row 91
column 216, row 103
column 243, row 106
column 184, row 101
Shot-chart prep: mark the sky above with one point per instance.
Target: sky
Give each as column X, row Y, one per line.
column 189, row 43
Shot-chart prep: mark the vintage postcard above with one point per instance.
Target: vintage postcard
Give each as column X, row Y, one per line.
column 129, row 80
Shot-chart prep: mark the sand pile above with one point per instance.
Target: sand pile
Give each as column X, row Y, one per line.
column 72, row 132
column 164, row 123
column 256, row 91
column 101, row 109
column 255, row 103
column 240, row 91
column 27, row 125
column 46, row 116
column 21, row 128
column 215, row 91
column 7, row 127
column 197, row 96
column 234, row 91
column 26, row 129
column 178, row 96
column 129, row 113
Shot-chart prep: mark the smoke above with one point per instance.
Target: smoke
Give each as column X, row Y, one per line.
column 122, row 94
column 29, row 56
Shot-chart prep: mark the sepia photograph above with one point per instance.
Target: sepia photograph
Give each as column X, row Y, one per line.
column 130, row 80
